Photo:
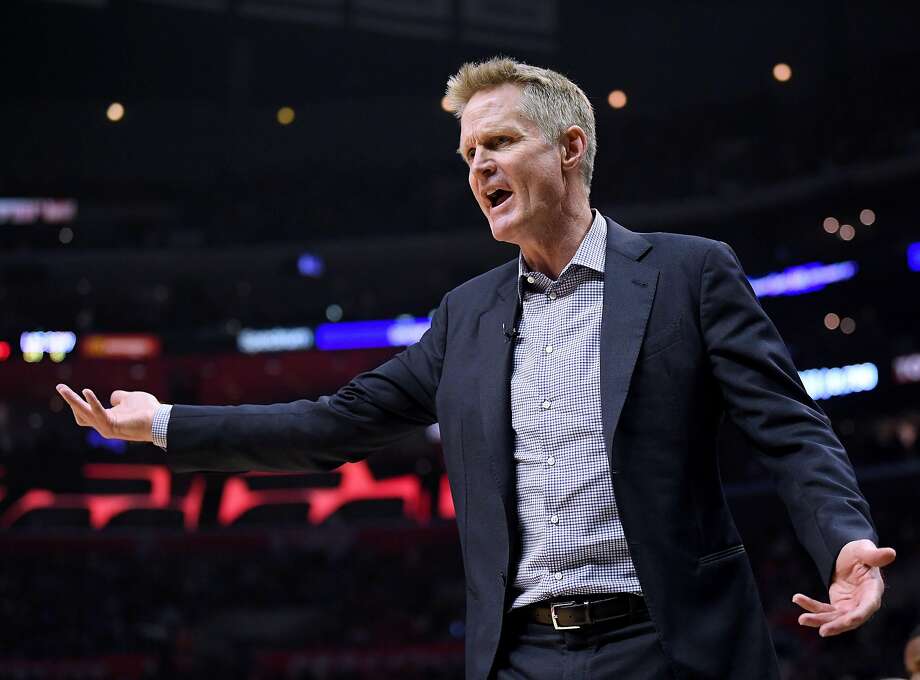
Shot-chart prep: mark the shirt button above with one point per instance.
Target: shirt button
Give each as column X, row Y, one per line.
column 558, row 575
column 531, row 279
column 552, row 296
column 554, row 519
column 551, row 461
column 548, row 349
column 545, row 405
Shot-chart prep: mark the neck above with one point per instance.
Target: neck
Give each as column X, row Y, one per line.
column 548, row 251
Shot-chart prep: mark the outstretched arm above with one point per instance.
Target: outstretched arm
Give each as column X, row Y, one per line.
column 373, row 410
column 765, row 398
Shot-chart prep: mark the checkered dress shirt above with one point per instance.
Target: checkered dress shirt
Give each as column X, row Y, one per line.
column 160, row 425
column 572, row 537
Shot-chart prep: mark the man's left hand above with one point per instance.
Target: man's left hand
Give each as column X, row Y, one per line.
column 855, row 593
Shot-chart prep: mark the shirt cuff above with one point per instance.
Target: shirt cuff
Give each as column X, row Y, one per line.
column 161, row 425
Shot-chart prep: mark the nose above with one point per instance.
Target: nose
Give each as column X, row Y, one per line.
column 482, row 165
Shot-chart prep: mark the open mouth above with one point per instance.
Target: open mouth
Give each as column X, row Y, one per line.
column 499, row 196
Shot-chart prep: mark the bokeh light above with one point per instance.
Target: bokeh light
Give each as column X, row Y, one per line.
column 617, row 99
column 867, row 217
column 115, row 112
column 782, row 72
column 334, row 313
column 285, row 115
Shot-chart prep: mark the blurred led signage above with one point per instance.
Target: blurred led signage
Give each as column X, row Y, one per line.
column 120, row 346
column 252, row 341
column 803, row 278
column 913, row 256
column 32, row 210
column 310, row 265
column 906, row 368
column 56, row 344
column 234, row 496
column 824, row 383
column 369, row 334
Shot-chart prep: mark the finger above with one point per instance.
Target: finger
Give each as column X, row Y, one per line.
column 840, row 625
column 116, row 397
column 100, row 420
column 817, row 620
column 878, row 557
column 850, row 620
column 865, row 552
column 810, row 604
column 80, row 408
column 97, row 407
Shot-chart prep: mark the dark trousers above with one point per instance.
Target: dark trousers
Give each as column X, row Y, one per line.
column 533, row 651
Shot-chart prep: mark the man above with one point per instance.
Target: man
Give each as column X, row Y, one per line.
column 579, row 390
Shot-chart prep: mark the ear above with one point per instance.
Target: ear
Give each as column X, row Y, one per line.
column 574, row 144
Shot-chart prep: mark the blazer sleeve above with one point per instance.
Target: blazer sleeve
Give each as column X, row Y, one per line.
column 375, row 409
column 765, row 398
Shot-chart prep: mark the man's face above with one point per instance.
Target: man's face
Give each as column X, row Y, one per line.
column 912, row 658
column 515, row 174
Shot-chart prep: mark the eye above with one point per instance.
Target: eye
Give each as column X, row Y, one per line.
column 502, row 139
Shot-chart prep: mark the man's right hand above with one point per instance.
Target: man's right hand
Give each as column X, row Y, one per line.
column 130, row 418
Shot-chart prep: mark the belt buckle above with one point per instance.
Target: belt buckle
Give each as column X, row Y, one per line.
column 555, row 617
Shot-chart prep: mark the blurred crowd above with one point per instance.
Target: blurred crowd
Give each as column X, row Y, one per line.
column 353, row 599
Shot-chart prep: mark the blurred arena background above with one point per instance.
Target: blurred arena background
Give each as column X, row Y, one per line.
column 250, row 201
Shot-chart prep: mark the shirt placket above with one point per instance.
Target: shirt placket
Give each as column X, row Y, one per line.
column 553, row 481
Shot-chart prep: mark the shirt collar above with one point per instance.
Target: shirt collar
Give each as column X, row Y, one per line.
column 591, row 252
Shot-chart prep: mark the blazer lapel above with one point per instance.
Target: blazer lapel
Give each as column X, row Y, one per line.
column 629, row 289
column 495, row 382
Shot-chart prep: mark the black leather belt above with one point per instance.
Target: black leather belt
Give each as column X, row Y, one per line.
column 579, row 613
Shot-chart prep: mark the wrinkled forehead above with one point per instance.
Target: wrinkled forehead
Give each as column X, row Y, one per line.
column 494, row 107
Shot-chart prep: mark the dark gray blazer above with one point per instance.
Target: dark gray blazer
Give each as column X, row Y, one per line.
column 684, row 343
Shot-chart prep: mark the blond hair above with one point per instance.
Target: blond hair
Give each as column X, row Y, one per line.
column 549, row 99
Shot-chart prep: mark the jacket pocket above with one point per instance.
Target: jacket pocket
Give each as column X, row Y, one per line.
column 662, row 340
column 721, row 555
